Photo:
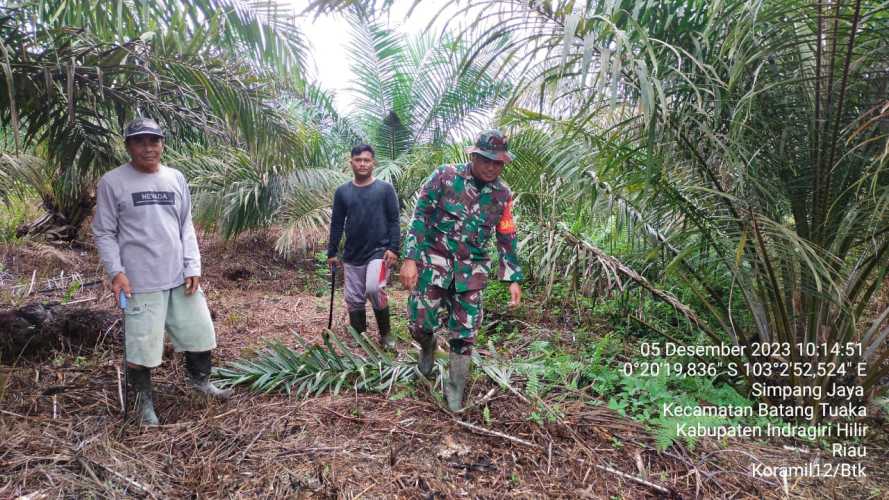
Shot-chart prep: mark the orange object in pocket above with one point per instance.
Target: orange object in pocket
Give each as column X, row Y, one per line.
column 506, row 224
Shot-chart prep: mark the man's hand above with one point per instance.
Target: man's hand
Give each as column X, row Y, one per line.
column 118, row 283
column 408, row 274
column 390, row 258
column 333, row 262
column 191, row 284
column 515, row 294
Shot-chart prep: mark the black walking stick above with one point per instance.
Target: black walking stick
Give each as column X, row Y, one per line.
column 126, row 376
column 332, row 288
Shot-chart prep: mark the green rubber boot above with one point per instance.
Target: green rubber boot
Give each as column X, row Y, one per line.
column 427, row 353
column 140, row 380
column 198, row 366
column 358, row 320
column 458, row 371
column 387, row 340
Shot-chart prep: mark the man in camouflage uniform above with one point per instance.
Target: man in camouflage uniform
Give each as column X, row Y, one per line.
column 446, row 260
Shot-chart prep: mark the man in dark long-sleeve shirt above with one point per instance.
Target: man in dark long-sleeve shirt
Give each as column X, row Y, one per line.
column 367, row 209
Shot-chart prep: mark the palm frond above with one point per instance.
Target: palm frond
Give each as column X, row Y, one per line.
column 22, row 173
column 321, row 368
column 333, row 366
column 305, row 211
column 262, row 30
column 414, row 92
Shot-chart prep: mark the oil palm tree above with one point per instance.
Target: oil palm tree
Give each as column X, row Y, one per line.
column 413, row 101
column 748, row 138
column 74, row 72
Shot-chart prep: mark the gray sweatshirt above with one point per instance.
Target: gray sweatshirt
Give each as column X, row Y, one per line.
column 143, row 228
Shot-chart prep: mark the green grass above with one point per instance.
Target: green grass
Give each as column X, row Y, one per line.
column 597, row 366
column 594, row 361
column 14, row 213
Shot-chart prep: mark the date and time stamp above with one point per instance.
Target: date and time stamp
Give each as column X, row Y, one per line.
column 806, row 391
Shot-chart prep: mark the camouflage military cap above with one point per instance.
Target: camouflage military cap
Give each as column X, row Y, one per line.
column 142, row 126
column 492, row 145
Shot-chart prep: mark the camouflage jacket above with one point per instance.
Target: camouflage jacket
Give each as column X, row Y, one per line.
column 451, row 225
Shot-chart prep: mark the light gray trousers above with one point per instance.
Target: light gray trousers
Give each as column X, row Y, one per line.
column 366, row 282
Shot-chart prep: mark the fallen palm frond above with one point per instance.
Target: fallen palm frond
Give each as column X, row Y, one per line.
column 333, row 365
column 321, row 368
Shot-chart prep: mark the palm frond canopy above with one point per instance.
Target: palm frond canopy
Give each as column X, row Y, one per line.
column 262, row 31
column 414, row 91
column 743, row 136
column 75, row 72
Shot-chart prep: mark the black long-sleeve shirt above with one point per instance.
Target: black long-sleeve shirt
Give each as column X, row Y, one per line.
column 370, row 217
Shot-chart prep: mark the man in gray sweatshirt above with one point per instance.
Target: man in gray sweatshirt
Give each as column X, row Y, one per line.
column 147, row 243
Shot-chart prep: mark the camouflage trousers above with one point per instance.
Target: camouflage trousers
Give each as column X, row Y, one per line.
column 464, row 312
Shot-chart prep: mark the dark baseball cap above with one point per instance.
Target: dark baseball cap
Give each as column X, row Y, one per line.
column 142, row 126
column 492, row 145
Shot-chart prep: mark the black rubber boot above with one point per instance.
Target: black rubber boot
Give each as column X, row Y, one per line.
column 140, row 380
column 427, row 353
column 387, row 340
column 198, row 366
column 358, row 320
column 458, row 372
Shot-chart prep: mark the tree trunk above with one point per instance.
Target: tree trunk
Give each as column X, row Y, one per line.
column 60, row 224
column 36, row 328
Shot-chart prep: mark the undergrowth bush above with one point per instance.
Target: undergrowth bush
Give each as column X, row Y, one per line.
column 13, row 213
column 597, row 368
